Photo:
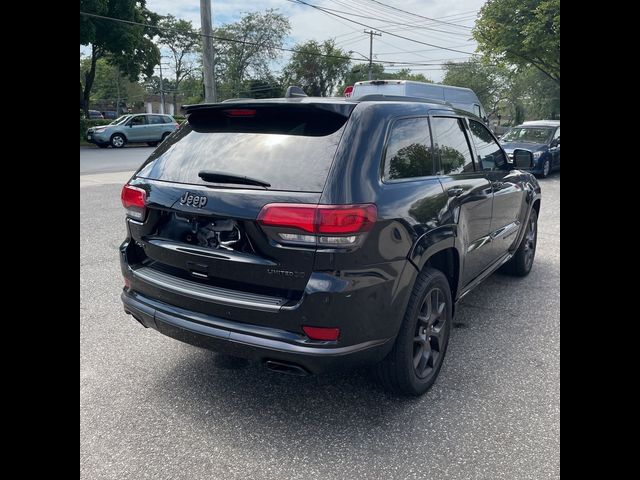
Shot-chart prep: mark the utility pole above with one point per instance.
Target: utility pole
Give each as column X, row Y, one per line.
column 161, row 89
column 371, row 33
column 208, row 61
column 117, row 92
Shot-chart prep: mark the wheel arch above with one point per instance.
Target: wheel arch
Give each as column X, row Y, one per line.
column 438, row 249
column 122, row 134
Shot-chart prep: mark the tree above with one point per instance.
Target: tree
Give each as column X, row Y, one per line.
column 318, row 68
column 532, row 96
column 259, row 36
column 521, row 32
column 488, row 81
column 411, row 161
column 182, row 41
column 267, row 87
column 127, row 46
column 111, row 90
column 192, row 90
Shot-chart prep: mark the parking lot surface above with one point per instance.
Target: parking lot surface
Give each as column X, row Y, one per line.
column 153, row 408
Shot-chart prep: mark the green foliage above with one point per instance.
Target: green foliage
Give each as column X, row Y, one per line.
column 317, row 75
column 109, row 85
column 489, row 82
column 192, row 90
column 532, row 96
column 451, row 160
column 127, row 46
column 183, row 41
column 237, row 62
column 411, row 161
column 522, row 33
column 267, row 87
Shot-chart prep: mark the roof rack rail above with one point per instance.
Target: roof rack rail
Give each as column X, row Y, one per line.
column 230, row 100
column 294, row 92
column 377, row 97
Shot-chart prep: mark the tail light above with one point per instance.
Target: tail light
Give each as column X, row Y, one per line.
column 240, row 112
column 134, row 201
column 323, row 225
column 348, row 91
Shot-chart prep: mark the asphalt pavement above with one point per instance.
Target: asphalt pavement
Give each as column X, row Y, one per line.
column 154, row 408
column 95, row 160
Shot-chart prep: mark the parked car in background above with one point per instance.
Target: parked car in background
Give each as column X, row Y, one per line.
column 458, row 97
column 542, row 137
column 110, row 114
column 95, row 115
column 149, row 128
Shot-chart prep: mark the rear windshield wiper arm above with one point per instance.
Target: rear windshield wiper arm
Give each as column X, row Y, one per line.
column 220, row 177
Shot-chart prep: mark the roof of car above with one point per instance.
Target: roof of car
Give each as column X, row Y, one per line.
column 541, row 123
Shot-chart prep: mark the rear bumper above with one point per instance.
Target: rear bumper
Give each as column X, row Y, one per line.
column 250, row 341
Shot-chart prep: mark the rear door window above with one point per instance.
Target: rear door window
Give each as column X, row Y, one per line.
column 408, row 153
column 450, row 143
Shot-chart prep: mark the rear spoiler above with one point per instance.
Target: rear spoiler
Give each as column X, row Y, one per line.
column 341, row 108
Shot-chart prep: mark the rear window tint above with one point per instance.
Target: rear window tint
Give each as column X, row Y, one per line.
column 290, row 149
column 409, row 153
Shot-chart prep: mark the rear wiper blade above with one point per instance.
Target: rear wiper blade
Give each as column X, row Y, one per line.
column 220, row 177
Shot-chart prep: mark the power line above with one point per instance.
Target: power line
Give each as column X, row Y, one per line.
column 421, row 16
column 393, row 23
column 383, row 31
column 246, row 42
column 362, row 5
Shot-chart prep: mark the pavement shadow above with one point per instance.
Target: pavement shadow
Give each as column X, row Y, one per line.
column 212, row 388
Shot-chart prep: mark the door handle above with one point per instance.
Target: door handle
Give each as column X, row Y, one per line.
column 455, row 192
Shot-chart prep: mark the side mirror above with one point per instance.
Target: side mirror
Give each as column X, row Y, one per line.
column 522, row 158
column 130, row 124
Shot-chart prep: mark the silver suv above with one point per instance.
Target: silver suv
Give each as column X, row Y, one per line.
column 149, row 128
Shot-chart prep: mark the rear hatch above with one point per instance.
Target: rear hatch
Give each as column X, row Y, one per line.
column 205, row 186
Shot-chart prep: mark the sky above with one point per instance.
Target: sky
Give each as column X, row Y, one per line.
column 308, row 23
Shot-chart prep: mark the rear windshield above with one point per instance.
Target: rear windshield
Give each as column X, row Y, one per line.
column 528, row 135
column 290, row 150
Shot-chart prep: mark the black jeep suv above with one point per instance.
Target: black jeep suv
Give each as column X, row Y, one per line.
column 313, row 233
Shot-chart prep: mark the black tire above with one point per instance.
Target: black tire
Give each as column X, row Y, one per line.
column 152, row 144
column 164, row 136
column 118, row 140
column 413, row 364
column 521, row 263
column 546, row 169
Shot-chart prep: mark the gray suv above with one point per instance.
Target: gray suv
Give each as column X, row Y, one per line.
column 149, row 128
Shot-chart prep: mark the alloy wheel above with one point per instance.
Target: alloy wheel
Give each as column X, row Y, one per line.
column 429, row 340
column 530, row 242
